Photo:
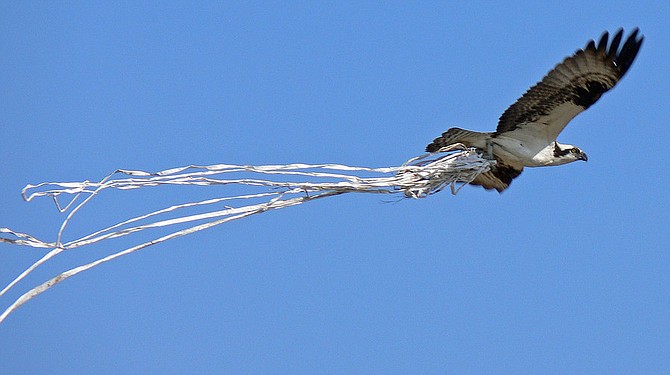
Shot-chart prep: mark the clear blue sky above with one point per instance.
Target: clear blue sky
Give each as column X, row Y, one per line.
column 566, row 272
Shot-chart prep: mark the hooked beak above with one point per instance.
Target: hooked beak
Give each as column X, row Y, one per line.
column 583, row 156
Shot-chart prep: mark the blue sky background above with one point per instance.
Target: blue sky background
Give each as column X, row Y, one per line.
column 566, row 272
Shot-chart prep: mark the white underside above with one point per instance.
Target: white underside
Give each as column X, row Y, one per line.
column 531, row 152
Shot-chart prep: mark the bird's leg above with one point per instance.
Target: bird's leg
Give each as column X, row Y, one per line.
column 489, row 149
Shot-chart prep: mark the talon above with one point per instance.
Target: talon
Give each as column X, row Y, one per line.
column 489, row 149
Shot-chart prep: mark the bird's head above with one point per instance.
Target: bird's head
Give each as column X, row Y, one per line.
column 577, row 154
column 568, row 153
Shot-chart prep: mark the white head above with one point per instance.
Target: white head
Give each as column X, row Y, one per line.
column 564, row 154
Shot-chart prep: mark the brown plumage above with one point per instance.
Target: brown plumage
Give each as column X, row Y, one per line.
column 527, row 130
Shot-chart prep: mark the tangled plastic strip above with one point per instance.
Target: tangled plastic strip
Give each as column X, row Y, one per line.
column 453, row 166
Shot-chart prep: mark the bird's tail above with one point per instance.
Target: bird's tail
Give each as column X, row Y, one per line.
column 468, row 138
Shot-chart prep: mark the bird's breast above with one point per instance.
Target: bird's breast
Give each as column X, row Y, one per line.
column 518, row 152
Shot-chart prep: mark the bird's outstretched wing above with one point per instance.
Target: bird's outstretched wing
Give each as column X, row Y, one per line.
column 571, row 87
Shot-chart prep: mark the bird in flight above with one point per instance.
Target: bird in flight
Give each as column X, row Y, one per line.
column 527, row 130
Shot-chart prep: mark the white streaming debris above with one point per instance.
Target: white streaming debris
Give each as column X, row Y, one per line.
column 420, row 177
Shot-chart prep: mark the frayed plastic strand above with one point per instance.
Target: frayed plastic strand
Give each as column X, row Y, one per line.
column 271, row 187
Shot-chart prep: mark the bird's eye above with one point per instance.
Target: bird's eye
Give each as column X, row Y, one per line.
column 574, row 150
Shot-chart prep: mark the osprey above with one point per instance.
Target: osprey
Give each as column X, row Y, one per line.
column 527, row 130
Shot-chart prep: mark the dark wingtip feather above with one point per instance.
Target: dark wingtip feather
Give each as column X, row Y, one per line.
column 591, row 45
column 602, row 44
column 624, row 59
column 614, row 46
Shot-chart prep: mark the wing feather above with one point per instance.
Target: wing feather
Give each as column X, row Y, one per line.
column 571, row 87
column 499, row 177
